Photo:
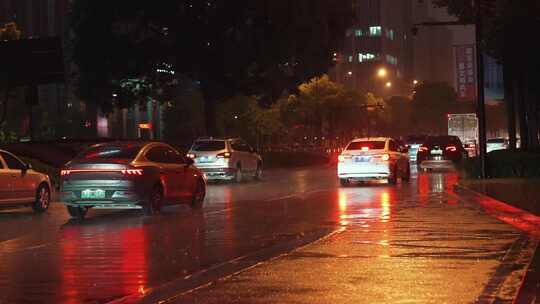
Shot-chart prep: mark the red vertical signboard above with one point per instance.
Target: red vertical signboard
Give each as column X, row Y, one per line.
column 466, row 72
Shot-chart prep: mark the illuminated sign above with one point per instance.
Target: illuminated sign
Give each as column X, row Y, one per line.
column 466, row 72
column 145, row 126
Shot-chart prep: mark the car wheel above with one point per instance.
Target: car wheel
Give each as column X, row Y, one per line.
column 344, row 182
column 153, row 205
column 198, row 195
column 238, row 175
column 407, row 175
column 77, row 212
column 392, row 179
column 258, row 172
column 43, row 199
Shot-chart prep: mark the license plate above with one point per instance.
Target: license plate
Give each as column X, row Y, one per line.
column 362, row 159
column 205, row 159
column 93, row 194
column 436, row 152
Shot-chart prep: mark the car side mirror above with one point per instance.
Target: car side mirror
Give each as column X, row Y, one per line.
column 190, row 161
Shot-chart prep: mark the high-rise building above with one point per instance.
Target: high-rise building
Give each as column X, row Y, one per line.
column 377, row 56
column 36, row 18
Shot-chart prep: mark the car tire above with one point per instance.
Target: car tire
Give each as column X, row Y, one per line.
column 407, row 176
column 258, row 172
column 344, row 182
column 43, row 199
column 392, row 179
column 199, row 195
column 155, row 200
column 238, row 176
column 77, row 212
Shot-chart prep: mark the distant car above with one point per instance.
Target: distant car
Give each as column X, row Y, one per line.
column 367, row 159
column 226, row 159
column 496, row 144
column 130, row 175
column 414, row 142
column 21, row 186
column 440, row 152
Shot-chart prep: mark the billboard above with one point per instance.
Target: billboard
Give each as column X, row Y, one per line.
column 466, row 72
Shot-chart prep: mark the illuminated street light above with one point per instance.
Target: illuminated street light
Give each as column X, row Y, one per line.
column 235, row 116
column 415, row 82
column 382, row 72
column 389, row 84
column 350, row 73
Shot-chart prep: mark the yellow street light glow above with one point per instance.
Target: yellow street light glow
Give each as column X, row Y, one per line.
column 382, row 72
column 350, row 73
column 388, row 84
column 415, row 81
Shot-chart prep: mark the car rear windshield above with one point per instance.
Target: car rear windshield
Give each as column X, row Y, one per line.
column 371, row 145
column 442, row 140
column 208, row 145
column 111, row 152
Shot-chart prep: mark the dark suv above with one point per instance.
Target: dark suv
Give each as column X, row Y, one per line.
column 440, row 152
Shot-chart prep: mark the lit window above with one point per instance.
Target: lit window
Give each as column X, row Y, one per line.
column 375, row 31
column 391, row 59
column 390, row 34
column 365, row 57
column 358, row 33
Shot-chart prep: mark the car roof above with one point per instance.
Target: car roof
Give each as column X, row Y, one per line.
column 217, row 138
column 371, row 139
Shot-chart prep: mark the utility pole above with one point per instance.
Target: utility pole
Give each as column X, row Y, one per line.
column 481, row 107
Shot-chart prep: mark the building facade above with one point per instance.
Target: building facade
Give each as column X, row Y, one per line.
column 377, row 56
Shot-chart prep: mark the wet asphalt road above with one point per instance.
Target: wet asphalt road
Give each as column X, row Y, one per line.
column 125, row 257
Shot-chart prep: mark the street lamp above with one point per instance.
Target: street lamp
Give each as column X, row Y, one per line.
column 382, row 72
column 415, row 82
column 388, row 84
column 349, row 73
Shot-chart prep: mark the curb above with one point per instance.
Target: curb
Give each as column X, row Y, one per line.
column 521, row 219
column 529, row 289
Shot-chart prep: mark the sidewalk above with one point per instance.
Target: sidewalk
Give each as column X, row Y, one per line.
column 519, row 192
column 443, row 253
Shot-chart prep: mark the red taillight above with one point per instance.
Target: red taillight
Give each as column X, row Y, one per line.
column 191, row 155
column 224, row 155
column 65, row 172
column 451, row 148
column 132, row 172
column 423, row 149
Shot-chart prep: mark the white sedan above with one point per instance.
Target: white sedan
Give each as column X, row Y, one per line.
column 373, row 159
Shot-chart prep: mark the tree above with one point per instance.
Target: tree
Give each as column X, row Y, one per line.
column 9, row 32
column 231, row 47
column 504, row 22
column 323, row 108
column 431, row 103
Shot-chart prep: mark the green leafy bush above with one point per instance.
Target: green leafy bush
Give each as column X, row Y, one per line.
column 502, row 164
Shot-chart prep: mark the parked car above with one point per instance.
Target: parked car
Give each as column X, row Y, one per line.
column 413, row 142
column 496, row 144
column 373, row 159
column 130, row 175
column 21, row 186
column 226, row 158
column 440, row 152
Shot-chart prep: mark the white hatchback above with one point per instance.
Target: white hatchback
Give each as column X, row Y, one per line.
column 373, row 159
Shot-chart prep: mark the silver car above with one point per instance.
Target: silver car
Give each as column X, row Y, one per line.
column 130, row 175
column 20, row 185
column 226, row 159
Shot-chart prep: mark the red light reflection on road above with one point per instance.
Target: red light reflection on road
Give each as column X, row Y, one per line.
column 97, row 265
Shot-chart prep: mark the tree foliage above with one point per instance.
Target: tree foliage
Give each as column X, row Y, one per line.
column 231, row 47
